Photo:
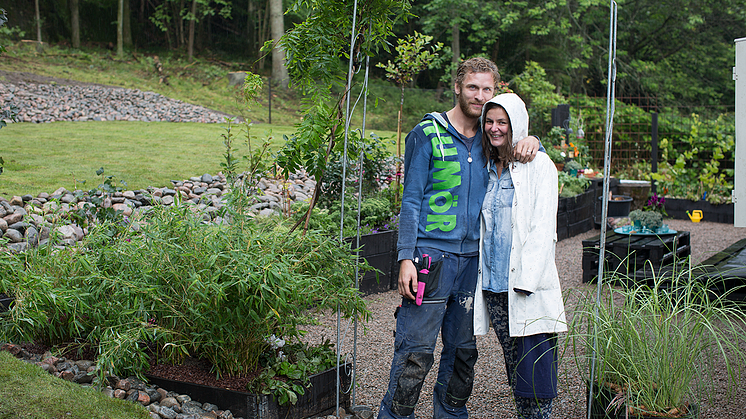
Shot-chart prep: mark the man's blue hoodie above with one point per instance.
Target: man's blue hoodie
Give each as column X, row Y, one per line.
column 444, row 186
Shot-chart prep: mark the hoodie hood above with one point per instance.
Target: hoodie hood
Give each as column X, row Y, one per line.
column 516, row 110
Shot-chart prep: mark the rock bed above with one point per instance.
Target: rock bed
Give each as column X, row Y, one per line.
column 161, row 403
column 29, row 220
column 53, row 102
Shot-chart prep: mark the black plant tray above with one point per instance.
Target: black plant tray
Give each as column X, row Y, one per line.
column 320, row 398
column 5, row 302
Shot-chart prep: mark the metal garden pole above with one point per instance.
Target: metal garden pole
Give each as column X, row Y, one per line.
column 607, row 168
column 344, row 173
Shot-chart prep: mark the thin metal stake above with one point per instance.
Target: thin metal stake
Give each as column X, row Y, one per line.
column 607, row 168
column 344, row 175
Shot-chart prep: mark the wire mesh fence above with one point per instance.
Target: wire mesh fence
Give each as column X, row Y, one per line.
column 678, row 129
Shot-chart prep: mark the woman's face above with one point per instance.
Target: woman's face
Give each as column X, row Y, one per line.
column 497, row 126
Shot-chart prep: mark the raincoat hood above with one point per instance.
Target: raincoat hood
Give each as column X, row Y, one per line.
column 516, row 110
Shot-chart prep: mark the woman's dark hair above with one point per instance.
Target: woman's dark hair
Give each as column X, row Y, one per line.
column 503, row 154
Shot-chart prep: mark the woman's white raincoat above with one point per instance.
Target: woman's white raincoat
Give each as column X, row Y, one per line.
column 534, row 224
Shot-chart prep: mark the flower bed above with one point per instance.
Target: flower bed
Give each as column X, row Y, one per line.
column 721, row 213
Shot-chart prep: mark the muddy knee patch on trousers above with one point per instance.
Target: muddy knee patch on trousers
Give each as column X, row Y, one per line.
column 410, row 383
column 462, row 379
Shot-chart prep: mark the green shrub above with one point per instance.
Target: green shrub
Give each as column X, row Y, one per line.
column 649, row 219
column 659, row 344
column 376, row 213
column 179, row 288
column 695, row 172
column 571, row 185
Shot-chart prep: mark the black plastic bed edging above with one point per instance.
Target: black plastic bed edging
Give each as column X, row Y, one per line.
column 320, row 398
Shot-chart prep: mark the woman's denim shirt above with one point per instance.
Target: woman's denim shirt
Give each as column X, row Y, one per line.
column 498, row 234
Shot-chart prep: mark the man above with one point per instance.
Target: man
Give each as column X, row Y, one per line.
column 445, row 180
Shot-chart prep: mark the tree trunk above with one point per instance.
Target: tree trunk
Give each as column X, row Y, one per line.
column 190, row 45
column 398, row 144
column 263, row 18
column 180, row 20
column 456, row 48
column 279, row 71
column 251, row 26
column 126, row 24
column 38, row 21
column 75, row 23
column 120, row 26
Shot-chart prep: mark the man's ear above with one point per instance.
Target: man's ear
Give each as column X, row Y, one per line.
column 457, row 88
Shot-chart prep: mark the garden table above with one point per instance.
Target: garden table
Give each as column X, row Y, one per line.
column 637, row 257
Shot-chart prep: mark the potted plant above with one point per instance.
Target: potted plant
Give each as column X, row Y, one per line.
column 657, row 347
column 649, row 221
column 572, row 167
column 619, row 205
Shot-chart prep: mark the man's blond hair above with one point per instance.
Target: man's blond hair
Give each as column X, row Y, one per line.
column 476, row 65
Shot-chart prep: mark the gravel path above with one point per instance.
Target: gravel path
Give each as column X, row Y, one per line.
column 491, row 397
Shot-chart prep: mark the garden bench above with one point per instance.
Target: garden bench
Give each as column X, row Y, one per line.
column 728, row 269
column 636, row 256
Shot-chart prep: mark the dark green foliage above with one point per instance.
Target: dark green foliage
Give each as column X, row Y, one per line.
column 376, row 213
column 378, row 167
column 571, row 185
column 650, row 219
column 179, row 287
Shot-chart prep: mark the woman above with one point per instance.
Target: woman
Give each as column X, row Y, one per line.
column 518, row 287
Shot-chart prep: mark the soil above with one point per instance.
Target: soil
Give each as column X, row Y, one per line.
column 191, row 371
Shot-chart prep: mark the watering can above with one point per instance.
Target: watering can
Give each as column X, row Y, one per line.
column 695, row 215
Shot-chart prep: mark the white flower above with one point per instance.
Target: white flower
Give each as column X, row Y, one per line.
column 562, row 153
column 275, row 342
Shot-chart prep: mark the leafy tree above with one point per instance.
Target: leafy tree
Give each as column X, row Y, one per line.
column 170, row 15
column 317, row 50
column 412, row 58
column 445, row 19
column 120, row 28
column 75, row 23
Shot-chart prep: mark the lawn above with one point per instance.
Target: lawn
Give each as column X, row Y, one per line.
column 43, row 157
column 54, row 398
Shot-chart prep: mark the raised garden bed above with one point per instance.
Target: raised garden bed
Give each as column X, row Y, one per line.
column 677, row 208
column 580, row 213
column 5, row 302
column 728, row 269
column 379, row 249
column 318, row 400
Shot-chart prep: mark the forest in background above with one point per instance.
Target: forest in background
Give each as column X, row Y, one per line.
column 679, row 51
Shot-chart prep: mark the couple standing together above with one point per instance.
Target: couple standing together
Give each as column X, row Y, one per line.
column 478, row 224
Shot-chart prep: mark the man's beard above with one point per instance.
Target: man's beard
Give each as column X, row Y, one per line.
column 466, row 108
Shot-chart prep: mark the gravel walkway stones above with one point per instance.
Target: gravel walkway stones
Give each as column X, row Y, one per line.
column 491, row 397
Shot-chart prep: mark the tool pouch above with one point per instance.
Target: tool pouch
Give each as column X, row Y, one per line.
column 431, row 279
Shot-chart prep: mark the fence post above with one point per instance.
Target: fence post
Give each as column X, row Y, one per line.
column 654, row 151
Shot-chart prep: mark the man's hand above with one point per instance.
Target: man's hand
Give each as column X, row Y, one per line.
column 526, row 149
column 407, row 278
